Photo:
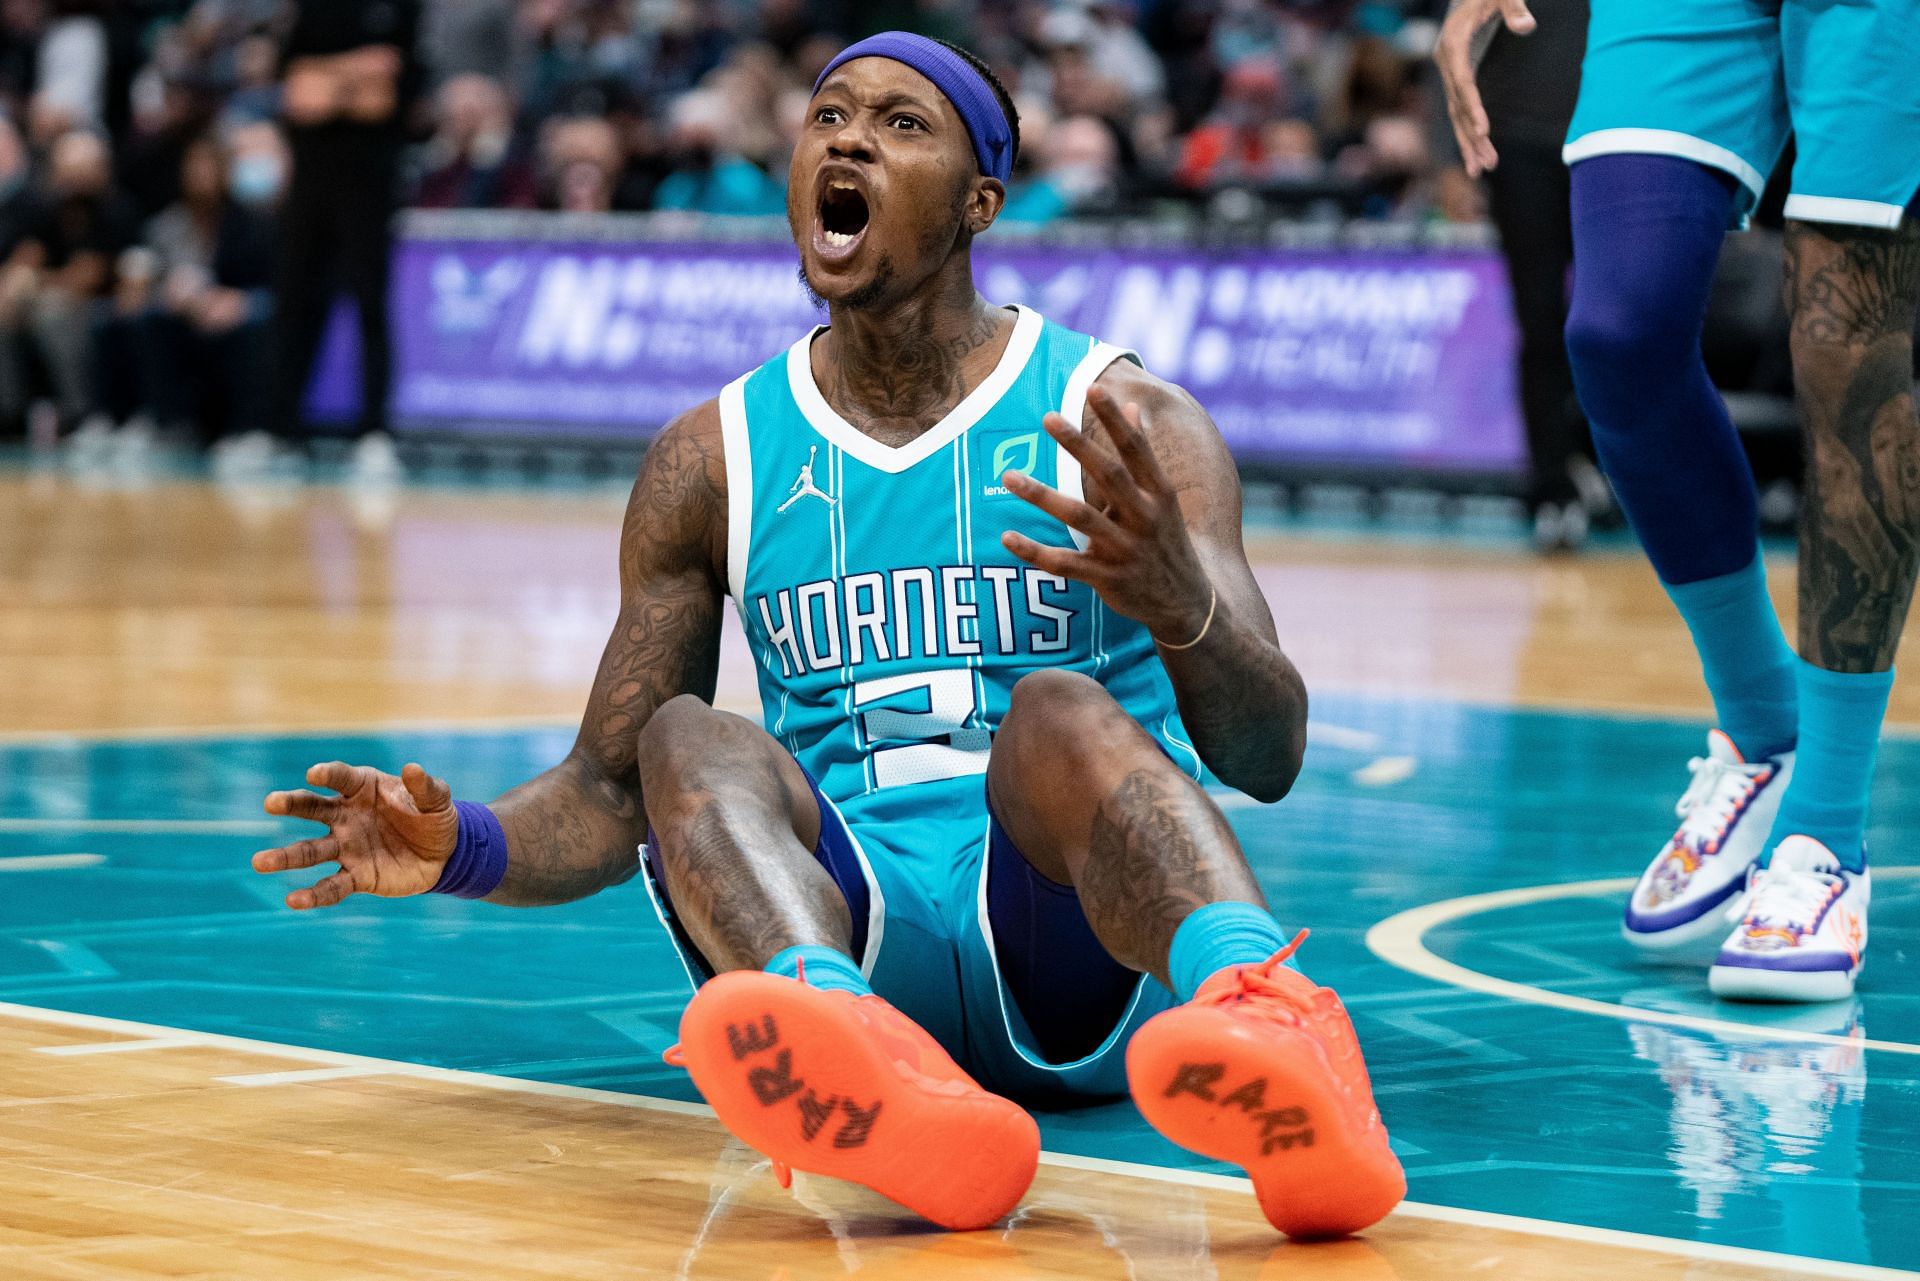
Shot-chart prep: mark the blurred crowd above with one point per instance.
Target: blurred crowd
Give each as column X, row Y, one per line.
column 145, row 159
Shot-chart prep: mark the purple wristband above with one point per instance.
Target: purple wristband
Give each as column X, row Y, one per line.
column 479, row 855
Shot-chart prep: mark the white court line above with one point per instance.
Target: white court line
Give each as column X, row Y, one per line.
column 209, row 826
column 1698, row 1250
column 121, row 1047
column 1386, row 771
column 303, row 1075
column 1359, row 740
column 1400, row 940
column 49, row 862
column 370, row 1066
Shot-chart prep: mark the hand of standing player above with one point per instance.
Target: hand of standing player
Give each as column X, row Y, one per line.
column 1139, row 556
column 390, row 835
column 1463, row 38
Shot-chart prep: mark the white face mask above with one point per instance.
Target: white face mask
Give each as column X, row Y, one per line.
column 255, row 180
column 1079, row 181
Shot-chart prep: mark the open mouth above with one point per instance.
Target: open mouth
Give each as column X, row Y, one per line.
column 843, row 218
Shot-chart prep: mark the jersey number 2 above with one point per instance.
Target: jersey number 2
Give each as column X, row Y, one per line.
column 946, row 746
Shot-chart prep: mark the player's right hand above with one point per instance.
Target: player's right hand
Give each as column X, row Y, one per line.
column 390, row 835
column 1457, row 54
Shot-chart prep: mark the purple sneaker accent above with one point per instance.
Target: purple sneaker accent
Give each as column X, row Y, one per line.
column 1653, row 922
column 1787, row 961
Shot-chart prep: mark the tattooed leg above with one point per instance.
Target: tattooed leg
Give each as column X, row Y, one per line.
column 1852, row 294
column 737, row 824
column 1093, row 802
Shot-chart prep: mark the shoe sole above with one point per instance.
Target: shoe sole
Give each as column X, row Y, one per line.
column 1216, row 1087
column 797, row 1075
column 1745, row 983
column 1704, row 933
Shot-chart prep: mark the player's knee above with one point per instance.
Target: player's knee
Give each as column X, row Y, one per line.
column 1058, row 714
column 677, row 732
column 1607, row 340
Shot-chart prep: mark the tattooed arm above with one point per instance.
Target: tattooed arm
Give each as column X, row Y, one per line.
column 576, row 828
column 1162, row 519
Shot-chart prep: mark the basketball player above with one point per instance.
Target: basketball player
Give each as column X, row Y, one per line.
column 992, row 576
column 1685, row 107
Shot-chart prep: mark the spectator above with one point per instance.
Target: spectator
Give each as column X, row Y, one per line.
column 1116, row 46
column 1232, row 145
column 471, row 161
column 16, row 194
column 60, row 268
column 1079, row 174
column 351, row 75
column 712, row 177
column 71, row 78
column 581, row 160
column 202, row 329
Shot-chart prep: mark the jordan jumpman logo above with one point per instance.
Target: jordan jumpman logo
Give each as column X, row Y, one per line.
column 804, row 486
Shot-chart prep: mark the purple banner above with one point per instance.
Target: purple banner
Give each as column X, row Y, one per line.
column 1382, row 358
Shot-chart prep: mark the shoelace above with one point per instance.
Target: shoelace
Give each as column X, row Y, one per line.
column 1787, row 903
column 1260, row 980
column 1707, row 808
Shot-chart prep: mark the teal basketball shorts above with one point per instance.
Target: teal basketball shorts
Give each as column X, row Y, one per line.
column 951, row 925
column 1724, row 82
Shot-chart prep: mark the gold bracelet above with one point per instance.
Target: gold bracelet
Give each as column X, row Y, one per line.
column 1204, row 627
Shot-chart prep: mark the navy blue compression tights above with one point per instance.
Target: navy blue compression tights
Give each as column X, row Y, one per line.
column 1646, row 236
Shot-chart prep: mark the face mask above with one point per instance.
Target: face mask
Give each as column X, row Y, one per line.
column 255, row 180
column 1079, row 181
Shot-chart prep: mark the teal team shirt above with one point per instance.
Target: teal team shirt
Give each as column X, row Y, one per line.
column 888, row 623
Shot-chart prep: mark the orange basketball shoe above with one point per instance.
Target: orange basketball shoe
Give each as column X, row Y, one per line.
column 1262, row 1069
column 847, row 1086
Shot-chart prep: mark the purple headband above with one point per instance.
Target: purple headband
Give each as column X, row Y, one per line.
column 951, row 74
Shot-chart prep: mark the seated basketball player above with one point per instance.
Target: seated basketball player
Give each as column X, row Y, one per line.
column 992, row 575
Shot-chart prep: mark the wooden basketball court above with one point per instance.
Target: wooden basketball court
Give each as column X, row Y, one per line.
column 195, row 1083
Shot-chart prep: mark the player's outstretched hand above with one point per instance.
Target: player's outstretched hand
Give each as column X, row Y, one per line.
column 390, row 835
column 1462, row 40
column 1139, row 555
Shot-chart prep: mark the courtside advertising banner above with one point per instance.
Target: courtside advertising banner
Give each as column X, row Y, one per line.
column 1390, row 358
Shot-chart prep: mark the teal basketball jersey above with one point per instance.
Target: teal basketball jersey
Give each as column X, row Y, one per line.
column 888, row 624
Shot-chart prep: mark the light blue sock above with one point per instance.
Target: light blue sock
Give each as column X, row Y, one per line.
column 1219, row 935
column 1748, row 665
column 826, row 969
column 1840, row 715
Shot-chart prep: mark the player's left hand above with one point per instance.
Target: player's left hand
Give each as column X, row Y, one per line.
column 1139, row 556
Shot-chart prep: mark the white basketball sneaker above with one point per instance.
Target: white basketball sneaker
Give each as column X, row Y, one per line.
column 1725, row 816
column 1802, row 933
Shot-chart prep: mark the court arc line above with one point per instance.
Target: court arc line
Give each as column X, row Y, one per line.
column 1400, row 941
column 1799, row 1265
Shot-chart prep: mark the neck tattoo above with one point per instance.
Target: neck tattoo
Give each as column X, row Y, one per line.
column 894, row 386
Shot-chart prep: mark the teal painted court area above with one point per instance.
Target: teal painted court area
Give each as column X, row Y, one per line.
column 124, row 891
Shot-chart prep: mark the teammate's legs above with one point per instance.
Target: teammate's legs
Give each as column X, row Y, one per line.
column 1258, row 1066
column 1647, row 233
column 1853, row 281
column 1852, row 294
column 819, row 1073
